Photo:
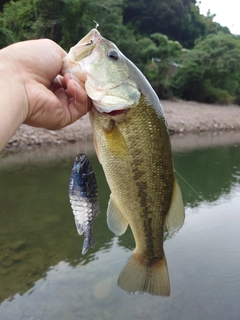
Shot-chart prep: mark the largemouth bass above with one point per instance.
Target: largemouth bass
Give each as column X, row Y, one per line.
column 84, row 199
column 132, row 144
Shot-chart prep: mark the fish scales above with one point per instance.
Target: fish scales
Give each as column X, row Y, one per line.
column 133, row 145
column 83, row 197
column 147, row 196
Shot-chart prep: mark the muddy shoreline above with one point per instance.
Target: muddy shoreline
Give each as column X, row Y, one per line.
column 182, row 117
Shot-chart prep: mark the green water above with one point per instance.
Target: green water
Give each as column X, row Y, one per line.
column 43, row 275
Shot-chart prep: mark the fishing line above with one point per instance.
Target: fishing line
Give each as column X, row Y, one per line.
column 86, row 119
column 76, row 119
column 188, row 184
column 86, row 134
column 85, row 122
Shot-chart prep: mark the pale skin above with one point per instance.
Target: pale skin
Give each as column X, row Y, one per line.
column 32, row 91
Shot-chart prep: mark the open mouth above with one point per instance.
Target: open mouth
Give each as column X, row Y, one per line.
column 116, row 112
column 110, row 113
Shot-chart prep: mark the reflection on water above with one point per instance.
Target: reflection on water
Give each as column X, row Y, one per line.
column 44, row 276
column 211, row 173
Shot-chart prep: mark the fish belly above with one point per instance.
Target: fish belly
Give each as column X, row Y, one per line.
column 136, row 157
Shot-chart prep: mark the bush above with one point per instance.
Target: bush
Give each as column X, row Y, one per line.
column 216, row 95
column 211, row 71
column 6, row 37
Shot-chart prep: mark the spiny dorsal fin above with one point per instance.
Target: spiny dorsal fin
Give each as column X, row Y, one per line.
column 175, row 216
column 115, row 220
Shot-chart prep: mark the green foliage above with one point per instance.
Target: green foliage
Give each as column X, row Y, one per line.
column 28, row 19
column 180, row 20
column 79, row 17
column 151, row 33
column 158, row 55
column 6, row 37
column 163, row 16
column 211, row 71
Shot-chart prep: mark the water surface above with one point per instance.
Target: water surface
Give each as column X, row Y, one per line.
column 44, row 276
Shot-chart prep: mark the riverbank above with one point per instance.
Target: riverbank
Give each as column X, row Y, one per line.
column 182, row 117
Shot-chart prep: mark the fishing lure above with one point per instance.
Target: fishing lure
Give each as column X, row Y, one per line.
column 84, row 199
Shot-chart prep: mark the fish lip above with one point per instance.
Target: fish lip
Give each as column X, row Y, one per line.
column 116, row 112
column 81, row 50
column 113, row 113
column 91, row 38
column 81, row 158
column 86, row 45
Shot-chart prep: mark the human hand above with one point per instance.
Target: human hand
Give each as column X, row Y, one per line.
column 48, row 100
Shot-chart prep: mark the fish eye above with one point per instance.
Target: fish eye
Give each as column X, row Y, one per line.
column 113, row 55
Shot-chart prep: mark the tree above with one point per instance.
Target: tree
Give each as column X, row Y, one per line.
column 79, row 17
column 150, row 16
column 211, row 71
column 158, row 57
column 28, row 19
column 180, row 20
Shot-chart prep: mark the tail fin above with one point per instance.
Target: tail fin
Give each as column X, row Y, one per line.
column 140, row 276
column 88, row 242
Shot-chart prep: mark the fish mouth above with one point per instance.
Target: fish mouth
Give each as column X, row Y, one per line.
column 92, row 37
column 116, row 112
column 86, row 45
column 81, row 50
column 112, row 113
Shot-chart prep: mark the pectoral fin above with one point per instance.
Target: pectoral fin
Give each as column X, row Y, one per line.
column 175, row 216
column 115, row 220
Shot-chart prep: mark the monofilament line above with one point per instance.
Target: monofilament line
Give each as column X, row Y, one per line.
column 188, row 184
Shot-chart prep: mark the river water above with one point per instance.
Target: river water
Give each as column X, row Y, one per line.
column 43, row 275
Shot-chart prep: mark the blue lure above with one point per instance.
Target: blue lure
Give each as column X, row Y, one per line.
column 83, row 196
